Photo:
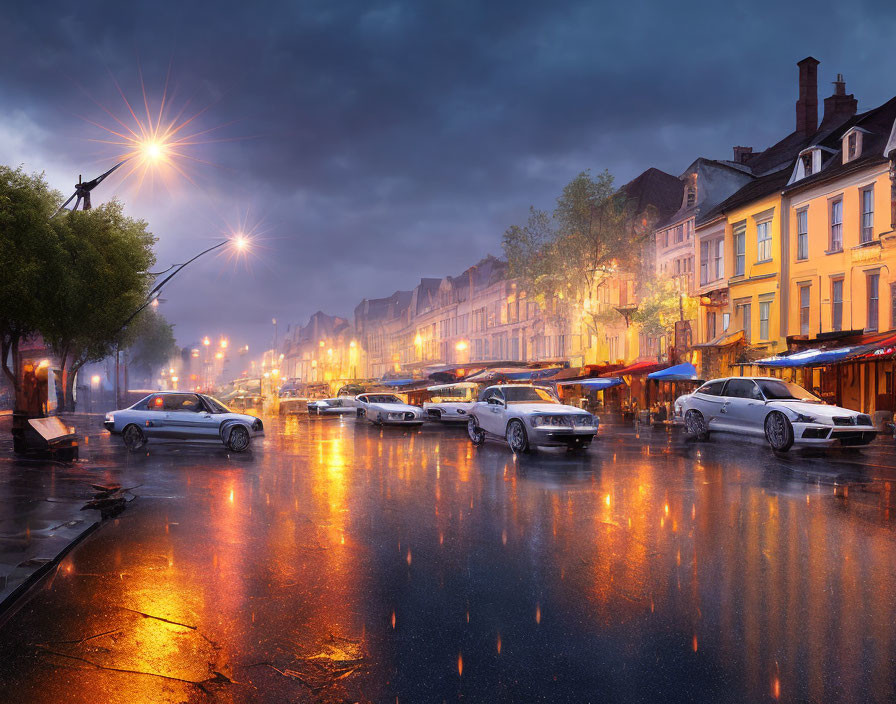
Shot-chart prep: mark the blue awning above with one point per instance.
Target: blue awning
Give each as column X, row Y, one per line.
column 680, row 372
column 397, row 382
column 807, row 358
column 593, row 383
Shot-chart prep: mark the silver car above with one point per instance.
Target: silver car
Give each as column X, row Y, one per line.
column 180, row 415
column 332, row 406
column 387, row 409
column 527, row 416
column 782, row 412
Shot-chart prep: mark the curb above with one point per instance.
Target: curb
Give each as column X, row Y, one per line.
column 19, row 596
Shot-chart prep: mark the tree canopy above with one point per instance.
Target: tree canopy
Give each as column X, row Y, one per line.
column 591, row 233
column 101, row 276
column 28, row 243
column 74, row 279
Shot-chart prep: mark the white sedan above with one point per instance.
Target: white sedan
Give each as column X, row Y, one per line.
column 179, row 415
column 387, row 409
column 451, row 402
column 332, row 406
column 783, row 412
column 528, row 416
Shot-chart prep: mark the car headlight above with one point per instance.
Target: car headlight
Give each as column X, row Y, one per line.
column 803, row 418
column 583, row 421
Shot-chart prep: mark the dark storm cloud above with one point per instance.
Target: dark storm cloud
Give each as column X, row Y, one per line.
column 378, row 142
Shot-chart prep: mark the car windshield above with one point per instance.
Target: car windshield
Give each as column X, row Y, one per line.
column 453, row 393
column 527, row 394
column 382, row 398
column 215, row 405
column 775, row 390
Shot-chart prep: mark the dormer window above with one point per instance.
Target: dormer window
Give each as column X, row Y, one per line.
column 811, row 160
column 807, row 164
column 852, row 144
column 692, row 196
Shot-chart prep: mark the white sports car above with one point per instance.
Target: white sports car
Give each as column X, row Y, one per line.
column 784, row 413
column 528, row 416
column 332, row 406
column 179, row 415
column 387, row 409
column 451, row 402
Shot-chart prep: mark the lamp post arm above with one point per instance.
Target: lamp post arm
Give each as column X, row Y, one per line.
column 153, row 294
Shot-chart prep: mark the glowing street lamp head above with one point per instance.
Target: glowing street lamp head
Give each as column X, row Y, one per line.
column 152, row 150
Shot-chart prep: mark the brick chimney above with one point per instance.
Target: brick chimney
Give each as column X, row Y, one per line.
column 741, row 154
column 807, row 105
column 840, row 106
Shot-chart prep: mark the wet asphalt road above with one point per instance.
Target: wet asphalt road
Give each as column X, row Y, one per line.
column 342, row 562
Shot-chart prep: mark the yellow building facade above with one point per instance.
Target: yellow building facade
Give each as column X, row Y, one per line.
column 753, row 246
column 842, row 255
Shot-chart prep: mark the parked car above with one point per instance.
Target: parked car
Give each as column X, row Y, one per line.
column 451, row 402
column 332, row 406
column 528, row 416
column 784, row 413
column 387, row 409
column 179, row 415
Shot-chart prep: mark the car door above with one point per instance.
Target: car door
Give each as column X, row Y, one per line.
column 491, row 417
column 708, row 400
column 743, row 406
column 186, row 417
column 152, row 419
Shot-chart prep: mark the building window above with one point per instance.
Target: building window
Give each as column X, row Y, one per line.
column 851, row 146
column 710, row 325
column 807, row 164
column 837, row 225
column 802, row 234
column 726, row 319
column 805, row 292
column 892, row 306
column 837, row 304
column 867, row 214
column 679, row 233
column 764, row 241
column 746, row 316
column 692, row 196
column 740, row 250
column 719, row 260
column 872, row 288
column 704, row 262
column 765, row 308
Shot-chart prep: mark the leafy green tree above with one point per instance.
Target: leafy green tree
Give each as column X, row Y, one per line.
column 102, row 274
column 149, row 341
column 592, row 233
column 661, row 305
column 27, row 243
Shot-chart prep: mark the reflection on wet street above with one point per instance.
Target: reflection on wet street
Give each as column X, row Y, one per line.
column 343, row 562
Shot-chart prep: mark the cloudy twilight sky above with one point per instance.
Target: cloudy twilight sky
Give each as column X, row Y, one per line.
column 371, row 143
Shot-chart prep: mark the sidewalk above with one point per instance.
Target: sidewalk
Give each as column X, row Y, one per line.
column 40, row 505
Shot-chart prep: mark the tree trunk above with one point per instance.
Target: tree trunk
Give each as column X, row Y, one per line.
column 69, row 386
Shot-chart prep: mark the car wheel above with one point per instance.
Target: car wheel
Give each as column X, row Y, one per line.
column 360, row 413
column 695, row 424
column 133, row 437
column 477, row 434
column 517, row 436
column 434, row 414
column 239, row 439
column 778, row 431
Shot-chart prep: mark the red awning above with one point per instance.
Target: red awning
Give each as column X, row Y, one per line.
column 638, row 369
